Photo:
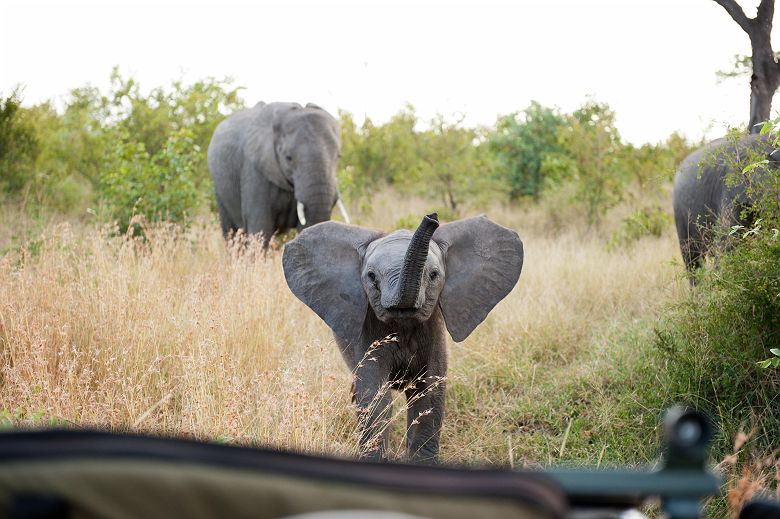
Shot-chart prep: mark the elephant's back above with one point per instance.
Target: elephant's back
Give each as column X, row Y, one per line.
column 234, row 128
column 700, row 186
column 225, row 152
column 701, row 191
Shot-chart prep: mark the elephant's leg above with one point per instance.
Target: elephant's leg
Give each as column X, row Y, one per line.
column 693, row 257
column 256, row 207
column 258, row 221
column 372, row 394
column 425, row 413
column 228, row 227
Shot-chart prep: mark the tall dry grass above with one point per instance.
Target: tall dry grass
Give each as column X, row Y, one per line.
column 182, row 335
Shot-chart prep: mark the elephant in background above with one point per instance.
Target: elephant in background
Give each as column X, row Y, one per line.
column 367, row 286
column 274, row 168
column 705, row 205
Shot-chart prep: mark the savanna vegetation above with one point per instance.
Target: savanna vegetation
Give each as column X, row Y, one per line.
column 121, row 306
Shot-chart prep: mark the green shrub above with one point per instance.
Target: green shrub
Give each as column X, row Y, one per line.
column 155, row 188
column 411, row 221
column 649, row 221
column 18, row 144
column 714, row 341
column 520, row 144
column 68, row 194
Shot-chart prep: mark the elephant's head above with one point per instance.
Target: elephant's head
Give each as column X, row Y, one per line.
column 306, row 147
column 465, row 267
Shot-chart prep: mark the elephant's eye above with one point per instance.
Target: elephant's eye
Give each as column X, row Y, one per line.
column 434, row 274
column 371, row 276
column 288, row 157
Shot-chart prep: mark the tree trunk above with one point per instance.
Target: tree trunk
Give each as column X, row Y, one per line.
column 765, row 78
column 763, row 81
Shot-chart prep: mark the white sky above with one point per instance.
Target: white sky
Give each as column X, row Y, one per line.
column 653, row 61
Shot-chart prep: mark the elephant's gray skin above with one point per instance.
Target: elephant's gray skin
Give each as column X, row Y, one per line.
column 705, row 205
column 274, row 168
column 367, row 285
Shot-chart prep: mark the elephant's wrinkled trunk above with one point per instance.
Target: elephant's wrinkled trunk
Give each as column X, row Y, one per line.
column 414, row 262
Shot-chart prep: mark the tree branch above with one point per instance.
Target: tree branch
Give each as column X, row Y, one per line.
column 736, row 12
column 766, row 11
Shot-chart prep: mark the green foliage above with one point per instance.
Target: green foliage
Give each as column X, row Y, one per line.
column 591, row 141
column 54, row 158
column 412, row 220
column 455, row 166
column 720, row 342
column 652, row 165
column 58, row 157
column 18, row 144
column 158, row 187
column 151, row 118
column 649, row 221
column 521, row 143
column 772, row 362
column 714, row 340
column 372, row 156
column 72, row 152
column 447, row 161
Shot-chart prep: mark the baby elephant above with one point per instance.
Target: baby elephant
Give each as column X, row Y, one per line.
column 369, row 286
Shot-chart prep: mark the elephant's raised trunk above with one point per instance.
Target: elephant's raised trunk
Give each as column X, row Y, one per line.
column 414, row 262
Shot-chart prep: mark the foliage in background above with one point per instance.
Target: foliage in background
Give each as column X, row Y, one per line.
column 57, row 157
column 456, row 166
column 152, row 118
column 653, row 165
column 520, row 143
column 446, row 161
column 592, row 147
column 373, row 156
column 649, row 221
column 18, row 144
column 60, row 154
column 154, row 187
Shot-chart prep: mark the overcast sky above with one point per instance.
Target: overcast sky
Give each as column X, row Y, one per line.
column 653, row 61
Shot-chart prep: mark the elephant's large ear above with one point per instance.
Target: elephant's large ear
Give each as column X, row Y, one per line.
column 483, row 261
column 322, row 267
column 261, row 144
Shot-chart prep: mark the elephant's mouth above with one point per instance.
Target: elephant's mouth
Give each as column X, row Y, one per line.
column 402, row 315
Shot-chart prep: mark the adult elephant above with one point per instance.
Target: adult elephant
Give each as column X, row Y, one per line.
column 706, row 203
column 274, row 168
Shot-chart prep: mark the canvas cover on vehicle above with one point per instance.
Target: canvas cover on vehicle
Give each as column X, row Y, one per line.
column 79, row 474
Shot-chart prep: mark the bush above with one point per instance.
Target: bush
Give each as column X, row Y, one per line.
column 650, row 221
column 18, row 144
column 411, row 221
column 520, row 143
column 156, row 188
column 715, row 340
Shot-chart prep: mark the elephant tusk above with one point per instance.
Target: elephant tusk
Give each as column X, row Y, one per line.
column 301, row 213
column 342, row 210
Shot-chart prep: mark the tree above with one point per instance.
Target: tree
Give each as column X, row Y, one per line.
column 18, row 143
column 455, row 163
column 765, row 77
column 372, row 156
column 151, row 119
column 592, row 156
column 155, row 187
column 520, row 143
